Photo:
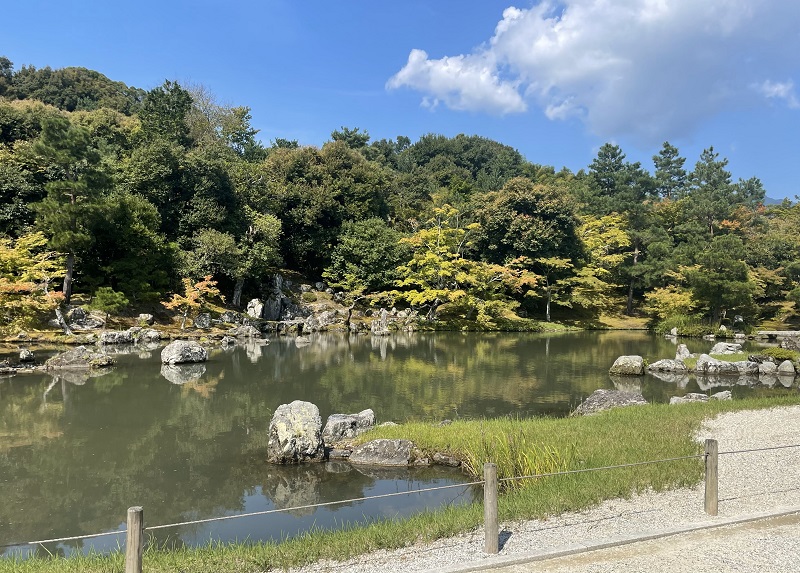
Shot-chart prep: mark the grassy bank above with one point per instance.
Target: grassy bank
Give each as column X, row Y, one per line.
column 617, row 437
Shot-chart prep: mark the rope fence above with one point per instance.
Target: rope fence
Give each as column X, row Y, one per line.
column 135, row 523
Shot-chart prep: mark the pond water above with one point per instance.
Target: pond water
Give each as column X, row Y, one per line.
column 76, row 452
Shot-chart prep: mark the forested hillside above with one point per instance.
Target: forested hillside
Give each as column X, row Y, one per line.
column 108, row 188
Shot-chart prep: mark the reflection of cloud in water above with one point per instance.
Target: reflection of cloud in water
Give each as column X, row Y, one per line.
column 183, row 373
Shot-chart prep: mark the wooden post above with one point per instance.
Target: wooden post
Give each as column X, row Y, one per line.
column 712, row 477
column 134, row 543
column 490, row 508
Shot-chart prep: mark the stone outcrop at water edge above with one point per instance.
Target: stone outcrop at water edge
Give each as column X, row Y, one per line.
column 604, row 399
column 183, row 351
column 295, row 434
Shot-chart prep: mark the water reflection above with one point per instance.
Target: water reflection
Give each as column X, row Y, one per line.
column 78, row 448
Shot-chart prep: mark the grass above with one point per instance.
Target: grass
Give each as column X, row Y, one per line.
column 620, row 436
column 691, row 361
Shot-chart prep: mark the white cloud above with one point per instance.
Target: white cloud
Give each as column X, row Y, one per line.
column 779, row 90
column 652, row 69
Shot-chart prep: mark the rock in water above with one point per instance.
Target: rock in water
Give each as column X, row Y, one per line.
column 603, row 399
column 295, row 434
column 26, row 355
column 181, row 351
column 383, row 453
column 341, row 426
column 627, row 366
column 80, row 357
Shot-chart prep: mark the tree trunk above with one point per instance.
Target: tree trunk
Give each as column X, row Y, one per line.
column 63, row 323
column 629, row 306
column 549, row 297
column 68, row 278
column 237, row 293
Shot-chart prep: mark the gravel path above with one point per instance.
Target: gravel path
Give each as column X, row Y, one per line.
column 749, row 483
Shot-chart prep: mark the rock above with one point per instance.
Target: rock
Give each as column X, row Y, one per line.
column 320, row 286
column 724, row 395
column 302, row 341
column 305, row 288
column 726, row 348
column 26, row 355
column 740, row 337
column 342, row 426
column 230, row 317
column 446, row 460
column 183, row 373
column 747, row 368
column 709, row 337
column 786, row 368
column 603, row 399
column 116, row 337
column 148, row 335
column 708, row 365
column 79, row 358
column 384, row 453
column 667, row 365
column 673, row 331
column 690, row 397
column 145, row 319
column 182, row 351
column 255, row 308
column 723, row 328
column 682, row 353
column 202, row 320
column 627, row 366
column 295, row 434
column 791, row 343
column 767, row 368
column 244, row 332
column 227, row 341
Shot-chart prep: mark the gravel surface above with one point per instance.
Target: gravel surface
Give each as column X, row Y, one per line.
column 749, row 483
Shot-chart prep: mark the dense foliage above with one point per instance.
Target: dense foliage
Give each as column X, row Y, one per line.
column 136, row 191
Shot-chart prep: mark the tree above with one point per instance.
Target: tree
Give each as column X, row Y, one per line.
column 195, row 297
column 711, row 191
column 164, row 113
column 670, row 176
column 353, row 138
column 259, row 248
column 72, row 197
column 109, row 301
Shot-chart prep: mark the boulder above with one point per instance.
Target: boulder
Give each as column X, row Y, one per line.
column 723, row 395
column 26, row 355
column 667, row 365
column 709, row 337
column 603, row 399
column 682, row 353
column 690, row 397
column 384, row 453
column 295, row 434
column 707, row 365
column 343, row 426
column 767, row 368
column 747, row 368
column 183, row 373
column 79, row 358
column 230, row 317
column 786, row 368
column 183, row 351
column 148, row 335
column 145, row 319
column 255, row 308
column 446, row 460
column 673, row 331
column 791, row 343
column 116, row 337
column 202, row 320
column 726, row 348
column 244, row 332
column 227, row 341
column 319, row 286
column 627, row 366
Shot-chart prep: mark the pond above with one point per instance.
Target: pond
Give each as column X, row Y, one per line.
column 76, row 452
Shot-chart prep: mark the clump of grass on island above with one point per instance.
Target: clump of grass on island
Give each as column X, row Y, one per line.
column 620, row 436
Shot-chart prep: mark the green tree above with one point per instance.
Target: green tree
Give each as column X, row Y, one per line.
column 109, row 301
column 670, row 176
column 164, row 113
column 72, row 197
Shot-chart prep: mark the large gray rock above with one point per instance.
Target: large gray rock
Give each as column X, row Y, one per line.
column 244, row 331
column 667, row 365
column 295, row 434
column 723, row 395
column 79, row 358
column 145, row 319
column 26, row 355
column 791, row 343
column 116, row 337
column 148, row 335
column 682, row 352
column 384, row 453
column 182, row 351
column 255, row 308
column 708, row 365
column 627, row 366
column 202, row 320
column 79, row 319
column 603, row 399
column 767, row 368
column 690, row 397
column 344, row 426
column 726, row 348
column 786, row 367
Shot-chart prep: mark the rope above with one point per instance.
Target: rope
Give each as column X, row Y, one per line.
column 567, row 472
column 268, row 511
column 759, row 449
column 59, row 539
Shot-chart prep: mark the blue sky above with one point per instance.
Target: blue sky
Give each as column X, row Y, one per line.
column 553, row 79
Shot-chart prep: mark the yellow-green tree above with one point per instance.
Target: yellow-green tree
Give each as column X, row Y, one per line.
column 196, row 296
